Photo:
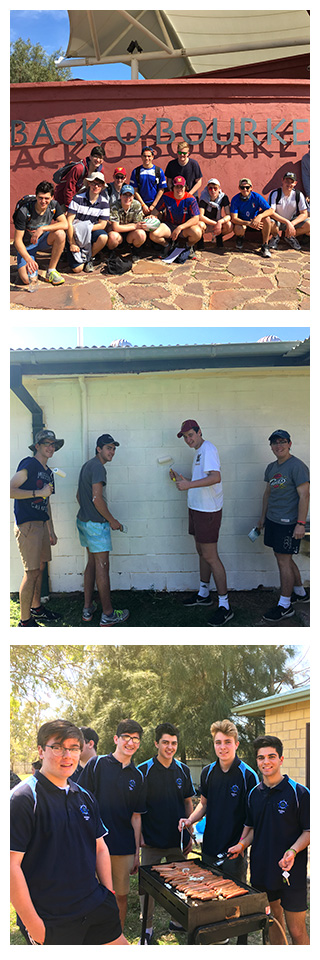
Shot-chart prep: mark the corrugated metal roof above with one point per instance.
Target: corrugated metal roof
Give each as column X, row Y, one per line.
column 257, row 707
column 137, row 359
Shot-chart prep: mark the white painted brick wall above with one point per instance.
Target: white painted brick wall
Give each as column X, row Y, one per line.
column 237, row 410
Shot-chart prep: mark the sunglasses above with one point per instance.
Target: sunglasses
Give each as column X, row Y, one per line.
column 118, row 176
column 182, row 153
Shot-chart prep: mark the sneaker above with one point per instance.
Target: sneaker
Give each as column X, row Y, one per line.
column 175, row 926
column 274, row 243
column 147, row 938
column 293, row 242
column 45, row 615
column 296, row 599
column 28, row 623
column 220, row 617
column 52, row 276
column 88, row 267
column 239, row 243
column 88, row 612
column 265, row 252
column 194, row 600
column 278, row 613
column 165, row 250
column 112, row 620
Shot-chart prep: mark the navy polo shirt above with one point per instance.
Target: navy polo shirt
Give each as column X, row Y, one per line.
column 226, row 795
column 167, row 788
column 57, row 832
column 278, row 816
column 120, row 792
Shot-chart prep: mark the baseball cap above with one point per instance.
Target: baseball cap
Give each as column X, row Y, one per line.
column 245, row 180
column 106, row 438
column 290, row 175
column 179, row 182
column 95, row 176
column 149, row 149
column 213, row 180
column 188, row 425
column 282, row 434
column 127, row 189
column 46, row 436
column 119, row 170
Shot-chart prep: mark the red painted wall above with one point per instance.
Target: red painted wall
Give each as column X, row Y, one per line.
column 147, row 101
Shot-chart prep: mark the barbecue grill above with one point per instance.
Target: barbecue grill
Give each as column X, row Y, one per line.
column 207, row 921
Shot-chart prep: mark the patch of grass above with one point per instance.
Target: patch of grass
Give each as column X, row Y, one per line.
column 149, row 608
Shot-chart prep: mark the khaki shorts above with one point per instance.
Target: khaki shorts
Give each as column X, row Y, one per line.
column 121, row 867
column 34, row 543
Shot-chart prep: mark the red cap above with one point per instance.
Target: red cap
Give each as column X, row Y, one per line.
column 179, row 181
column 188, row 425
column 119, row 170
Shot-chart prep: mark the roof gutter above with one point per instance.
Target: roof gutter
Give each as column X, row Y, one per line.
column 28, row 401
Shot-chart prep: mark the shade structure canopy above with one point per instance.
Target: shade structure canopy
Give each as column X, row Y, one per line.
column 177, row 43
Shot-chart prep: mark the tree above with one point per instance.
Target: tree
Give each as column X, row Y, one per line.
column 29, row 63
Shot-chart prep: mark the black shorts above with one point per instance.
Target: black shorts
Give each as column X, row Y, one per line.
column 204, row 527
column 98, row 926
column 292, row 900
column 279, row 537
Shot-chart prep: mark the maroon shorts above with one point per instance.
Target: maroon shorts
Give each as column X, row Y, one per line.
column 205, row 527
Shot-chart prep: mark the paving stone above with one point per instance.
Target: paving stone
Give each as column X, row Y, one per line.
column 149, row 266
column 305, row 304
column 243, row 268
column 284, row 294
column 288, row 278
column 194, row 288
column 162, row 305
column 189, row 303
column 264, row 306
column 229, row 299
column 257, row 283
column 304, row 287
column 90, row 295
column 140, row 293
column 224, row 284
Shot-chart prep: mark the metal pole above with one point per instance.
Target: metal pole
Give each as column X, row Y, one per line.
column 134, row 69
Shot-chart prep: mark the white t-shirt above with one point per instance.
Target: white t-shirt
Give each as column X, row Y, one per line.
column 287, row 206
column 205, row 499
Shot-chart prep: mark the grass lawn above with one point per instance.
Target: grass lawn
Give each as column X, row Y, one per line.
column 161, row 936
column 149, row 608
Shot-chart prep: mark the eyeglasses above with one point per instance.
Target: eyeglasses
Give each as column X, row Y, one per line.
column 59, row 751
column 183, row 153
column 126, row 737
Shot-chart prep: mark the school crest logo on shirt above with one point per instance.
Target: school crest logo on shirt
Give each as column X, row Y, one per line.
column 282, row 806
column 85, row 812
column 234, row 790
column 179, row 783
column 131, row 784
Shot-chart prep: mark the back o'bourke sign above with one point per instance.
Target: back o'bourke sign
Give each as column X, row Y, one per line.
column 129, row 131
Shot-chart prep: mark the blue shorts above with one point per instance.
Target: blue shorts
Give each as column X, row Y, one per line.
column 42, row 245
column 95, row 536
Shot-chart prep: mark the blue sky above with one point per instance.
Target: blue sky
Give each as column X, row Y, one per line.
column 50, row 28
column 46, row 336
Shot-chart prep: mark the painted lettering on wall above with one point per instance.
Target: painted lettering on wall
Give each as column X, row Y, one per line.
column 129, row 131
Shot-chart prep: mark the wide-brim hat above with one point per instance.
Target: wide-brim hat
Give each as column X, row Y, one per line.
column 95, row 176
column 44, row 436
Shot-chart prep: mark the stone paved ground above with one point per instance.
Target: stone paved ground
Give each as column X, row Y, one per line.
column 234, row 281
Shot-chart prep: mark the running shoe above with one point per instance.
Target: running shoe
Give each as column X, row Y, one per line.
column 239, row 243
column 194, row 600
column 88, row 612
column 274, row 243
column 88, row 267
column 296, row 599
column 52, row 276
column 28, row 623
column 147, row 939
column 275, row 614
column 118, row 616
column 265, row 252
column 293, row 242
column 45, row 615
column 220, row 617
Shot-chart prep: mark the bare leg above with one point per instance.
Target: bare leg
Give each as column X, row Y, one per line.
column 89, row 579
column 122, row 902
column 275, row 934
column 288, row 571
column 297, row 927
column 57, row 240
column 209, row 553
column 27, row 592
column 102, row 581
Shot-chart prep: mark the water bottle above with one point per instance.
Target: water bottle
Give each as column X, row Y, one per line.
column 254, row 534
column 33, row 281
column 123, row 528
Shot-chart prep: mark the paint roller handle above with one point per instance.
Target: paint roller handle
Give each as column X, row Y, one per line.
column 59, row 472
column 173, row 475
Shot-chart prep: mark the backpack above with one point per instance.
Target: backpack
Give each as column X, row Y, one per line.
column 138, row 179
column 116, row 265
column 60, row 174
column 27, row 200
column 278, row 198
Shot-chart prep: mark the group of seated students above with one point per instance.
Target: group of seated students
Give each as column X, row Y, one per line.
column 89, row 215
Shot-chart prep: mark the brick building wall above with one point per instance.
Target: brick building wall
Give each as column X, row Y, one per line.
column 288, row 722
column 236, row 409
